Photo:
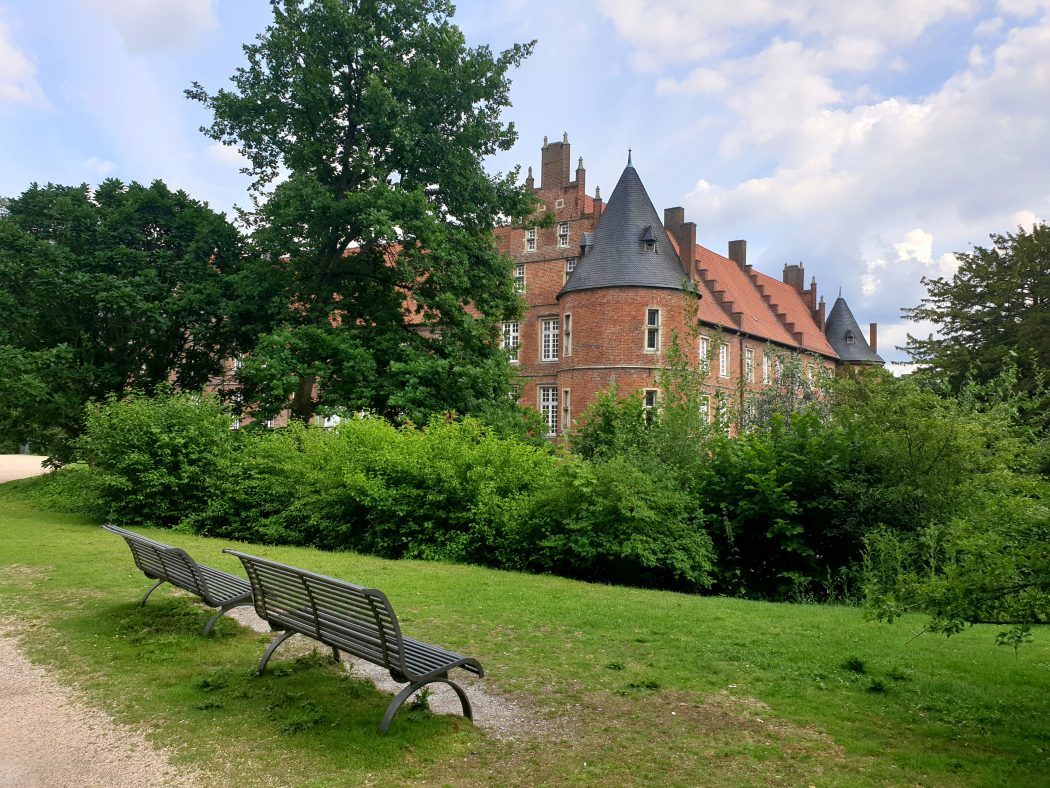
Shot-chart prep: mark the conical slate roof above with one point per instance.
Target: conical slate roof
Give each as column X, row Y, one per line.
column 840, row 327
column 629, row 248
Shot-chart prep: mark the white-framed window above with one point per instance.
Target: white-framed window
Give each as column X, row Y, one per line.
column 549, row 407
column 652, row 330
column 530, row 240
column 723, row 360
column 809, row 374
column 705, row 351
column 238, row 364
column 511, row 339
column 567, row 332
column 705, row 408
column 519, row 278
column 268, row 423
column 650, row 405
column 749, row 365
column 765, row 368
column 570, row 266
column 722, row 414
column 563, row 235
column 549, row 340
column 235, row 424
column 779, row 367
column 566, row 415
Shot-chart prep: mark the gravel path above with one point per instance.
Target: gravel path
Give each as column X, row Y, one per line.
column 48, row 738
column 20, row 466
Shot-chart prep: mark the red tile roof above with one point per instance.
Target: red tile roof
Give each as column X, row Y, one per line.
column 755, row 316
column 795, row 311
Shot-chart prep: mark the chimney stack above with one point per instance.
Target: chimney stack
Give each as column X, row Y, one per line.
column 873, row 337
column 820, row 314
column 738, row 252
column 795, row 275
column 684, row 234
column 556, row 160
column 581, row 178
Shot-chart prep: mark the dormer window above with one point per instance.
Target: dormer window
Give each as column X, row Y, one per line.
column 850, row 338
column 648, row 238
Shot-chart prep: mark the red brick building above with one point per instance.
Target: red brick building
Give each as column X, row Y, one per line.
column 606, row 284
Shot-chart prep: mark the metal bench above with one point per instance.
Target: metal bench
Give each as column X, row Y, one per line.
column 167, row 564
column 352, row 619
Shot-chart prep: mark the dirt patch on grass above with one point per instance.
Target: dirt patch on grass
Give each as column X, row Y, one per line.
column 48, row 738
column 666, row 738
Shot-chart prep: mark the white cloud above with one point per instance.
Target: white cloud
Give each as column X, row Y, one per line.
column 917, row 245
column 18, row 83
column 99, row 166
column 677, row 31
column 1026, row 219
column 703, row 81
column 148, row 26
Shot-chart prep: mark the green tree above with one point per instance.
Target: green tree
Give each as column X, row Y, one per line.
column 105, row 291
column 380, row 286
column 993, row 313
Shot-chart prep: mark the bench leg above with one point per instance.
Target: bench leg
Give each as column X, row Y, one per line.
column 272, row 648
column 407, row 692
column 154, row 587
column 219, row 614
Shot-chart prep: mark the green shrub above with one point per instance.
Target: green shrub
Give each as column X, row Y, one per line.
column 611, row 521
column 74, row 489
column 155, row 457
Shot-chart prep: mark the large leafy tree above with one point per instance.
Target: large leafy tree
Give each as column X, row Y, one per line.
column 105, row 291
column 993, row 314
column 364, row 125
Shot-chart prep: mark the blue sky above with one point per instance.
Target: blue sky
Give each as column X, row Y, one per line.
column 868, row 139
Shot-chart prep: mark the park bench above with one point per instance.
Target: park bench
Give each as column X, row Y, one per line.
column 351, row 619
column 167, row 564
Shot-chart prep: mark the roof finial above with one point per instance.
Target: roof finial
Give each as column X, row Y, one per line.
column 629, row 158
column 530, row 170
column 544, row 140
column 580, row 165
column 840, row 291
column 597, row 192
column 565, row 137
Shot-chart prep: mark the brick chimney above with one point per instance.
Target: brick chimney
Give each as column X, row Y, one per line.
column 873, row 337
column 738, row 252
column 556, row 159
column 819, row 316
column 795, row 275
column 581, row 177
column 684, row 234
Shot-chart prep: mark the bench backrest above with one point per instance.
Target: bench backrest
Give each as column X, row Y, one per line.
column 159, row 560
column 354, row 619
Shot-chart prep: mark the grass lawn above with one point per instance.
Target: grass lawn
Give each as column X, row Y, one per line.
column 636, row 687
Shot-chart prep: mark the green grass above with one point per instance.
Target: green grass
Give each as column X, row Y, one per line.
column 636, row 687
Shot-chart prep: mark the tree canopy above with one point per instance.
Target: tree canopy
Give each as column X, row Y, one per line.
column 994, row 313
column 103, row 291
column 364, row 125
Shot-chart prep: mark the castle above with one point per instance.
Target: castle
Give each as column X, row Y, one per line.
column 606, row 285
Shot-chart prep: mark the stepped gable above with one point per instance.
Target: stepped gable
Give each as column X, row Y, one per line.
column 739, row 297
column 786, row 300
column 708, row 310
column 617, row 255
column 846, row 337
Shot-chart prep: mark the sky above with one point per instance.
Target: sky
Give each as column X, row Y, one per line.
column 870, row 140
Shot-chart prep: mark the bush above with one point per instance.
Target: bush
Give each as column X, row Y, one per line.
column 447, row 491
column 774, row 512
column 156, row 456
column 611, row 521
